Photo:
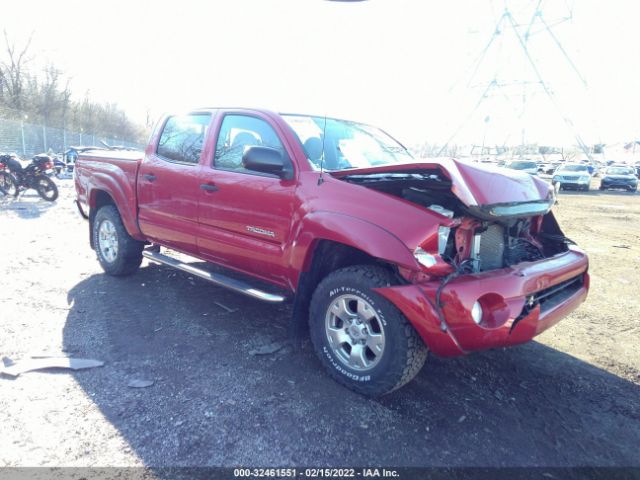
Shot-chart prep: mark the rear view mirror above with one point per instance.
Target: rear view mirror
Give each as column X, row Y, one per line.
column 264, row 160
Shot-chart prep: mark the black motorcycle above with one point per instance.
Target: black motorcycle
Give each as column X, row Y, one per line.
column 33, row 175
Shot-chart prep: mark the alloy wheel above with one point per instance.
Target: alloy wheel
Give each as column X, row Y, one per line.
column 354, row 332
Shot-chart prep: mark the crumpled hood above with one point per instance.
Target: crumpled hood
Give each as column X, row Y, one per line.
column 475, row 185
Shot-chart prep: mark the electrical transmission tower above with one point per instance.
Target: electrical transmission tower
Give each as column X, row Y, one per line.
column 509, row 27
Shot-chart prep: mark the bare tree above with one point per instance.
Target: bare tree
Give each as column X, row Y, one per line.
column 46, row 97
column 13, row 73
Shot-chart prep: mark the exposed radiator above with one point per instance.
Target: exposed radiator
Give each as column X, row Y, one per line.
column 493, row 249
column 490, row 252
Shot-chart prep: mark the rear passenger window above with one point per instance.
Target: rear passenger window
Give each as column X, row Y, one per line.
column 182, row 138
column 238, row 132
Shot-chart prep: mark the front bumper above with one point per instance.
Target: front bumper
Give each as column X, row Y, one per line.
column 576, row 186
column 450, row 330
column 605, row 183
column 572, row 184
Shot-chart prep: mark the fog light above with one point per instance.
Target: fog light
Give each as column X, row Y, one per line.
column 476, row 313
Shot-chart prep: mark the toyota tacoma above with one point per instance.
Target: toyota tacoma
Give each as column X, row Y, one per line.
column 384, row 257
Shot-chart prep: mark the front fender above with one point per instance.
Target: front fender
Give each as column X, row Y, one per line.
column 348, row 230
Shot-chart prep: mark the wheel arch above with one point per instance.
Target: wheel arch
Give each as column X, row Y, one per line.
column 108, row 191
column 100, row 197
column 330, row 241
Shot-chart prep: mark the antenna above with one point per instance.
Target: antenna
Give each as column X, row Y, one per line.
column 324, row 134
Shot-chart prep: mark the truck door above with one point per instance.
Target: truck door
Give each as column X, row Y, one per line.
column 244, row 216
column 168, row 183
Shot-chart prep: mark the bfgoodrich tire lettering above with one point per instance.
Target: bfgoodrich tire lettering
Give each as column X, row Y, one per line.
column 403, row 354
column 126, row 254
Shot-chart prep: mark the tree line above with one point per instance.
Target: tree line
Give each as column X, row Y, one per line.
column 45, row 97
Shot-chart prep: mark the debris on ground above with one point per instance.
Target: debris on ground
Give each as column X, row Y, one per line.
column 622, row 246
column 138, row 383
column 14, row 369
column 267, row 349
column 224, row 307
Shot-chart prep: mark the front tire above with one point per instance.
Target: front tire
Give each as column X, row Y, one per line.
column 47, row 189
column 118, row 252
column 362, row 339
column 8, row 184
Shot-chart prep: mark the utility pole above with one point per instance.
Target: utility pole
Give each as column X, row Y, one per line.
column 24, row 147
column 508, row 26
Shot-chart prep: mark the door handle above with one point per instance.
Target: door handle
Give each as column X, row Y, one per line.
column 150, row 176
column 208, row 187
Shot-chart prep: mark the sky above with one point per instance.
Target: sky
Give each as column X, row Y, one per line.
column 404, row 65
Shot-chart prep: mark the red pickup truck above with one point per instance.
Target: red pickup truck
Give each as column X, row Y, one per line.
column 384, row 257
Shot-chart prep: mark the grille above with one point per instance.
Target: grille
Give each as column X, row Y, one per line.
column 552, row 296
column 491, row 252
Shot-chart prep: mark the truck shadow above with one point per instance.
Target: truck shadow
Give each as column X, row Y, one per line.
column 229, row 390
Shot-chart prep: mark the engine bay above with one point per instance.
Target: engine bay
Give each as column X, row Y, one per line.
column 483, row 241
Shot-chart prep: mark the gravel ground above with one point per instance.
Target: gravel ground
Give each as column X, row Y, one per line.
column 570, row 398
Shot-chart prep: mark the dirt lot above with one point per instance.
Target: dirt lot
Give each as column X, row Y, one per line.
column 570, row 398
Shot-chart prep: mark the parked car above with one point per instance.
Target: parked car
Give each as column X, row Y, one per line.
column 542, row 166
column 619, row 176
column 572, row 176
column 383, row 257
column 527, row 166
column 553, row 167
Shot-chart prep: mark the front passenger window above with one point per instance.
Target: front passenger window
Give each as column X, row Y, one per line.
column 238, row 132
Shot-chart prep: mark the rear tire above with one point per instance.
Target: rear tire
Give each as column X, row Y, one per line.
column 364, row 342
column 47, row 189
column 118, row 252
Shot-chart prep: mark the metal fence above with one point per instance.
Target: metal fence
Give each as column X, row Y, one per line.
column 27, row 139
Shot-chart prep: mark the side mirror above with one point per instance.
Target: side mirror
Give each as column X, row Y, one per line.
column 265, row 160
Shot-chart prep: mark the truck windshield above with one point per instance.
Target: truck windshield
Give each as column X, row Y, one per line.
column 346, row 144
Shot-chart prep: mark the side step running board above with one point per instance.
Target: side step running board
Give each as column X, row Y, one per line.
column 221, row 280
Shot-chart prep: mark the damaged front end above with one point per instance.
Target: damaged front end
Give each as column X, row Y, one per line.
column 478, row 236
column 494, row 259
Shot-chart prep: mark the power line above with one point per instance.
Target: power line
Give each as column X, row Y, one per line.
column 523, row 33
